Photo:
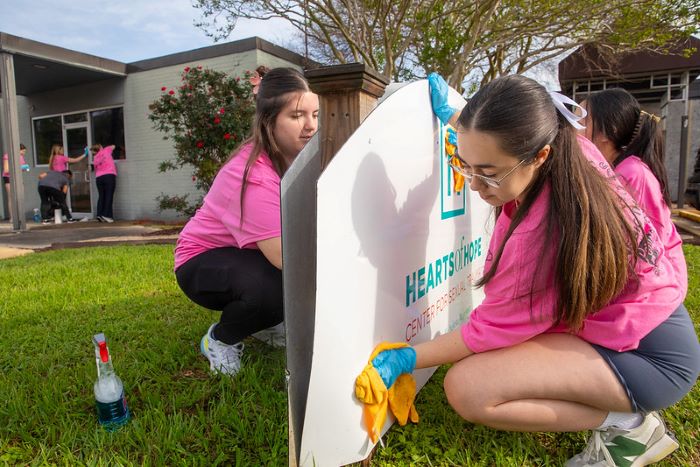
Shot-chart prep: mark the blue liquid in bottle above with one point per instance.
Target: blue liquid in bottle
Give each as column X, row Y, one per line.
column 112, row 411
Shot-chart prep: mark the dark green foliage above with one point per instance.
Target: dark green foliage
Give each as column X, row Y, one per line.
column 207, row 117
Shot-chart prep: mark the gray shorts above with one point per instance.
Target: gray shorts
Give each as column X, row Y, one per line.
column 663, row 368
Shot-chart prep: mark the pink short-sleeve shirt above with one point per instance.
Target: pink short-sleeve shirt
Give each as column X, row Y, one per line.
column 104, row 163
column 217, row 224
column 59, row 163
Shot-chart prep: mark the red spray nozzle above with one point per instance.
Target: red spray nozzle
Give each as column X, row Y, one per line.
column 104, row 353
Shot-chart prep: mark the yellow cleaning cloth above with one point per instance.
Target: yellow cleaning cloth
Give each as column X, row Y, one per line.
column 451, row 151
column 371, row 391
column 459, row 178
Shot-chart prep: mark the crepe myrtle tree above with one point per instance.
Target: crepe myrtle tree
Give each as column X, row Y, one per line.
column 207, row 117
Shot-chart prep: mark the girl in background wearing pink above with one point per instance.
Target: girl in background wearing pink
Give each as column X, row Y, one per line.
column 6, row 170
column 229, row 255
column 58, row 161
column 105, row 179
column 631, row 141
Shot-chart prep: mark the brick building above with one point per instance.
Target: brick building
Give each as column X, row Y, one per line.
column 76, row 99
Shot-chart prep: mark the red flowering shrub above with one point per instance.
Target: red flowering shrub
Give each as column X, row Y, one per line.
column 208, row 117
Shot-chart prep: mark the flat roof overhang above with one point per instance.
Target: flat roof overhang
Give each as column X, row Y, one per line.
column 42, row 67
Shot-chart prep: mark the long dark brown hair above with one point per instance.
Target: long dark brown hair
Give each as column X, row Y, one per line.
column 277, row 88
column 616, row 114
column 590, row 266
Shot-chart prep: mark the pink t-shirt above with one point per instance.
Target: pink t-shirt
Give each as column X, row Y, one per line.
column 6, row 157
column 509, row 315
column 59, row 163
column 103, row 162
column 217, row 223
column 640, row 181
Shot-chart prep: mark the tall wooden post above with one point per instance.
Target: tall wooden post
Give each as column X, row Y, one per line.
column 347, row 93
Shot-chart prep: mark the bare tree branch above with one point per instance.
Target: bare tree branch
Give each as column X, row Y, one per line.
column 476, row 40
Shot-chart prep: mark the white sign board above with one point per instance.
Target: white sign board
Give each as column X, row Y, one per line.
column 397, row 251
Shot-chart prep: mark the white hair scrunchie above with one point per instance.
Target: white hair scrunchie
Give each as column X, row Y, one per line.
column 559, row 101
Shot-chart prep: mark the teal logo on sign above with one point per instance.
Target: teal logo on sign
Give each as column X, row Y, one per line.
column 452, row 204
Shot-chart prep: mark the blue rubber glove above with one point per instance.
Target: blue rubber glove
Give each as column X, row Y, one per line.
column 87, row 151
column 25, row 167
column 390, row 364
column 452, row 136
column 438, row 98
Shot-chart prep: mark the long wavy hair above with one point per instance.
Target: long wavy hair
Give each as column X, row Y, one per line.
column 589, row 268
column 277, row 88
column 56, row 149
column 616, row 114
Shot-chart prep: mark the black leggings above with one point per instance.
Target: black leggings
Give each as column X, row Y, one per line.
column 106, row 184
column 241, row 283
column 52, row 198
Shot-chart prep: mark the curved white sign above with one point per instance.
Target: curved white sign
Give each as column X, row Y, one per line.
column 397, row 252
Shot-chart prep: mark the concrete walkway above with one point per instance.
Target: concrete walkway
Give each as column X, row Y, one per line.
column 42, row 237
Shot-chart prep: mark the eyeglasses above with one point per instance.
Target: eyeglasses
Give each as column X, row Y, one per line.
column 492, row 182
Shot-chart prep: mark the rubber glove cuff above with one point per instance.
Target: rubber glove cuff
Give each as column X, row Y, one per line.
column 390, row 364
column 438, row 98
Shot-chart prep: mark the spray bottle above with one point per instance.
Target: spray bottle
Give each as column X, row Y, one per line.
column 112, row 411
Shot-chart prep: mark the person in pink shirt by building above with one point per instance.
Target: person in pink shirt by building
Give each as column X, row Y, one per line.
column 6, row 170
column 58, row 161
column 105, row 179
column 229, row 255
column 630, row 139
column 582, row 325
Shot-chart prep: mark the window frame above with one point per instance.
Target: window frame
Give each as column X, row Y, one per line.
column 88, row 121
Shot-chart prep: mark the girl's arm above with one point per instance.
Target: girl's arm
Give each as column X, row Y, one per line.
column 51, row 162
column 272, row 249
column 73, row 160
column 5, row 165
column 445, row 348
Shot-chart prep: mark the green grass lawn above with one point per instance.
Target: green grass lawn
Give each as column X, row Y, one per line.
column 52, row 303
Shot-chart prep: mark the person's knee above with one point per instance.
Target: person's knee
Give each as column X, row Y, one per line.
column 464, row 396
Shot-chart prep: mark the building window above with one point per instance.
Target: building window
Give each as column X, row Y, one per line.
column 108, row 128
column 75, row 118
column 47, row 132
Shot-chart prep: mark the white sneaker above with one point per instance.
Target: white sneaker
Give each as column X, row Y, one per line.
column 223, row 358
column 615, row 447
column 276, row 336
column 109, row 220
